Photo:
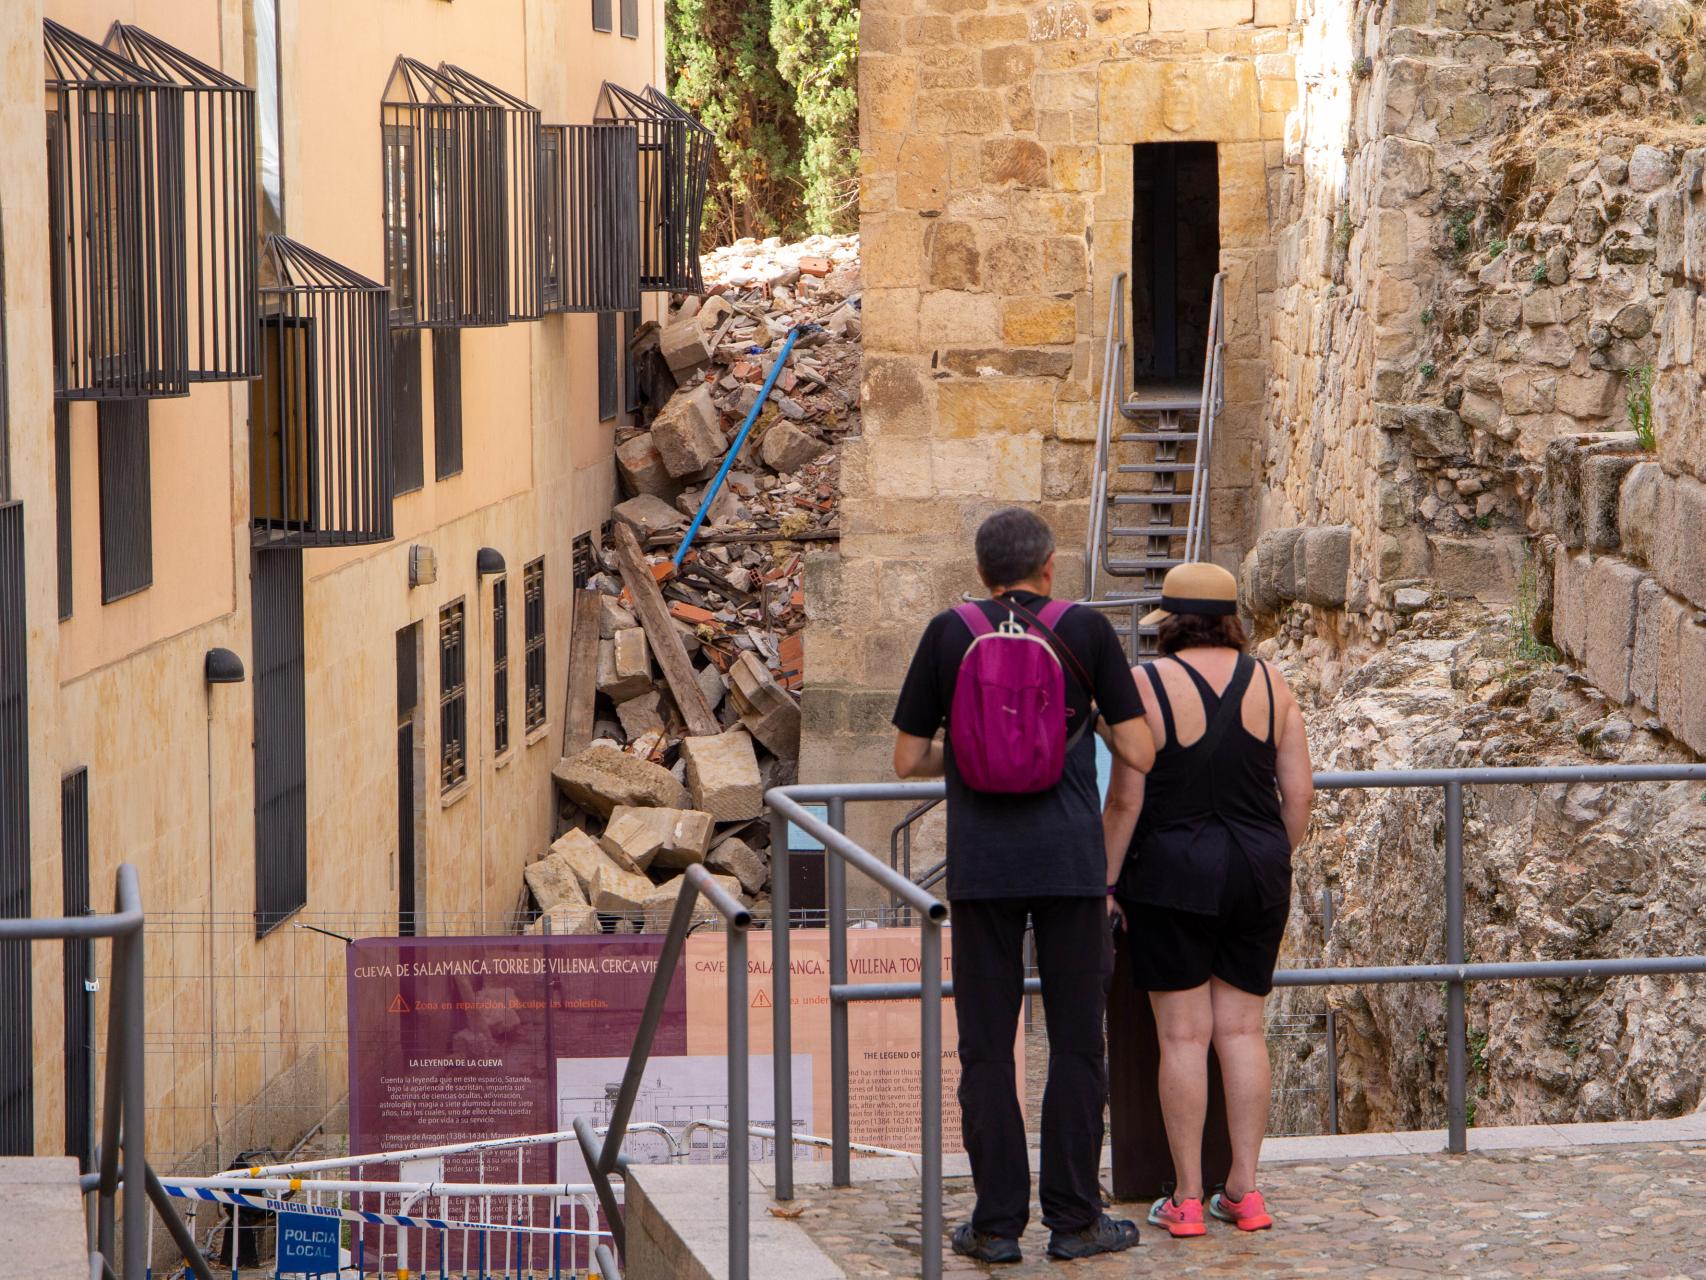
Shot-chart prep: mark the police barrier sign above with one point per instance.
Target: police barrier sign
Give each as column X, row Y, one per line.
column 308, row 1243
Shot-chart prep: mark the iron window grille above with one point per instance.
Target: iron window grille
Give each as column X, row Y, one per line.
column 115, row 163
column 407, row 455
column 533, row 631
column 675, row 166
column 281, row 737
column 452, row 697
column 319, row 415
column 608, row 374
column 221, row 220
column 62, row 502
column 585, row 562
column 601, row 15
column 5, row 426
column 516, row 172
column 127, row 518
column 500, row 667
column 631, row 19
column 446, row 403
column 17, row 1079
column 446, row 214
column 79, row 970
column 589, row 215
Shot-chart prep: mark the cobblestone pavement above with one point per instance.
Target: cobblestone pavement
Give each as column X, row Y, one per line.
column 1563, row 1211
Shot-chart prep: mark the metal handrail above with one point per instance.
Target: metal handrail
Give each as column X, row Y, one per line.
column 123, row 1107
column 602, row 1160
column 787, row 806
column 1107, row 409
column 1196, row 519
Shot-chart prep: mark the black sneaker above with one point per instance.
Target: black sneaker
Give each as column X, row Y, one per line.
column 1105, row 1235
column 971, row 1243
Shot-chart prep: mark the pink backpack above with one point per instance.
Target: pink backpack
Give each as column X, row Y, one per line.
column 1007, row 725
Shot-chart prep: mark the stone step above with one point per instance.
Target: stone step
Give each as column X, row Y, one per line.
column 42, row 1232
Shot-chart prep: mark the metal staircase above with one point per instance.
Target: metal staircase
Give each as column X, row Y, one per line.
column 1149, row 486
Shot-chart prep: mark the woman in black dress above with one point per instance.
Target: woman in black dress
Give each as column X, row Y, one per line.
column 1207, row 885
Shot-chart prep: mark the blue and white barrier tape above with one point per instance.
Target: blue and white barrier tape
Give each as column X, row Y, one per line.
column 269, row 1205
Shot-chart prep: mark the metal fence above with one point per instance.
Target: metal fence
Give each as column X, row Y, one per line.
column 788, row 806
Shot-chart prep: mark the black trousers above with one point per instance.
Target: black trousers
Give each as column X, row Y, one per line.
column 1073, row 955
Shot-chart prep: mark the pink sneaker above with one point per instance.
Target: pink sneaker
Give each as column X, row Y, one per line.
column 1180, row 1217
column 1249, row 1214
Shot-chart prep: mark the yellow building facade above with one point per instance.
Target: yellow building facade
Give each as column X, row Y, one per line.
column 430, row 674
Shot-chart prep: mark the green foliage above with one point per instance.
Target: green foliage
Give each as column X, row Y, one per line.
column 1459, row 226
column 1427, row 315
column 1640, row 404
column 1363, row 67
column 1495, row 248
column 1538, row 275
column 774, row 82
column 1344, row 229
column 1478, row 1051
column 1427, row 370
column 817, row 53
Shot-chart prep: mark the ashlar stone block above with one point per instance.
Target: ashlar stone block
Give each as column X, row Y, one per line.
column 1612, row 590
column 722, row 773
column 1143, row 100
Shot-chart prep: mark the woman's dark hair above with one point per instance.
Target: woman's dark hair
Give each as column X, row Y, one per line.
column 1012, row 546
column 1198, row 631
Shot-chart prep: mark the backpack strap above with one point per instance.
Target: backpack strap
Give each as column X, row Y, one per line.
column 975, row 618
column 1051, row 614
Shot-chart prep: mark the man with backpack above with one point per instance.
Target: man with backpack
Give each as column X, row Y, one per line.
column 1021, row 681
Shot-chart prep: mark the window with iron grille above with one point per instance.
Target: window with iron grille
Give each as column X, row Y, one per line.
column 608, row 377
column 5, row 434
column 601, row 15
column 630, row 377
column 452, row 697
column 17, row 1079
column 399, row 177
column 631, row 19
column 62, row 500
column 674, row 170
column 585, row 562
column 407, row 456
column 500, row 667
column 281, row 742
column 589, row 216
column 533, row 607
column 79, row 970
column 127, row 552
column 446, row 402
column 552, row 215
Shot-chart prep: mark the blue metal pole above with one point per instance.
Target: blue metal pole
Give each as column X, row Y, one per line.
column 716, row 484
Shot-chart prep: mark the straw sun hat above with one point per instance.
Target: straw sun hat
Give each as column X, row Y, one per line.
column 1199, row 588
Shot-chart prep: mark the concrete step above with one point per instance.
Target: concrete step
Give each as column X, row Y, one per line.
column 42, row 1231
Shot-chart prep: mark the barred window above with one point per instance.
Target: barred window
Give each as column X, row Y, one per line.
column 127, row 522
column 551, row 217
column 62, row 500
column 601, row 15
column 447, row 402
column 281, row 741
column 533, row 601
column 453, row 696
column 500, row 666
column 631, row 19
column 607, row 374
column 17, row 1077
column 407, row 456
column 399, row 169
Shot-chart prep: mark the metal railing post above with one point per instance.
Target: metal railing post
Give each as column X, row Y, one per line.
column 782, row 1005
column 1332, row 1020
column 930, row 1094
column 739, row 1140
column 1456, row 1028
column 840, row 1124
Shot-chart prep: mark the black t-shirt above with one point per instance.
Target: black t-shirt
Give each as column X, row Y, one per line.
column 1048, row 844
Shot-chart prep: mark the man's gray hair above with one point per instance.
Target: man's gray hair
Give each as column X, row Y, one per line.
column 1012, row 546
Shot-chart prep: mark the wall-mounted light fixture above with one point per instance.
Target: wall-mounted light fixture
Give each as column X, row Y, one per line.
column 489, row 561
column 423, row 565
column 221, row 666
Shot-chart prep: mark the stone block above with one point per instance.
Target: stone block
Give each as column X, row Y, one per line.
column 768, row 711
column 711, row 684
column 567, row 920
column 1678, row 559
column 734, row 857
column 553, row 880
column 640, row 715
column 953, row 256
column 648, row 514
column 1018, row 161
column 600, row 778
column 1276, row 565
column 1591, row 395
column 921, row 174
column 1142, row 99
column 1569, row 603
column 1561, row 491
column 688, row 432
column 615, row 892
column 1322, row 565
column 685, row 347
column 1406, row 170
column 1485, row 567
column 1541, row 307
column 1687, row 718
column 634, row 837
column 624, row 665
column 1039, row 321
column 1644, row 509
column 787, row 448
column 1652, row 659
column 659, row 904
column 612, row 617
column 583, row 856
column 641, row 468
column 1481, row 412
column 1602, row 487
column 722, row 773
column 690, row 834
column 1612, row 589
column 982, row 408
column 1430, row 431
column 1650, row 168
column 1199, row 15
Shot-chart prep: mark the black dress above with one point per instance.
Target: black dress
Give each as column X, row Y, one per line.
column 1206, row 885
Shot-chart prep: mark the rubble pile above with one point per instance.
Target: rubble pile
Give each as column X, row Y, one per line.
column 694, row 711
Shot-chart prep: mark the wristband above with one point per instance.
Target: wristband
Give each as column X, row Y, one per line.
column 1112, row 889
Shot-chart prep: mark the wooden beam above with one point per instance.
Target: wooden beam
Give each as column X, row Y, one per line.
column 660, row 632
column 582, row 693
